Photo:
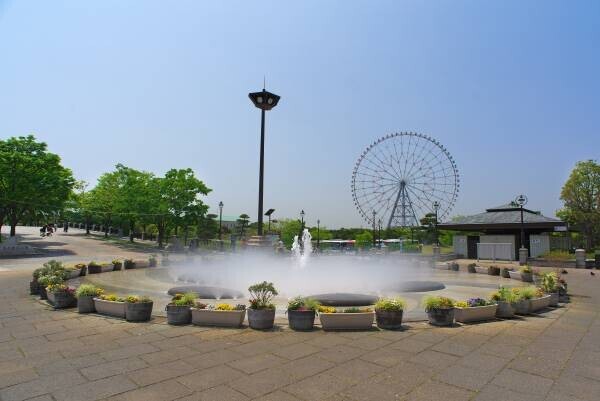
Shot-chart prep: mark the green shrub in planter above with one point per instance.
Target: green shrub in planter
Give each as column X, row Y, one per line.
column 440, row 310
column 261, row 314
column 494, row 271
column 61, row 296
column 178, row 310
column 504, row 272
column 138, row 309
column 388, row 313
column 128, row 264
column 117, row 264
column 94, row 268
column 152, row 261
column 85, row 297
column 301, row 313
column 471, row 268
column 526, row 274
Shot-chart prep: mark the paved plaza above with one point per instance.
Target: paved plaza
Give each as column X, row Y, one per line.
column 62, row 355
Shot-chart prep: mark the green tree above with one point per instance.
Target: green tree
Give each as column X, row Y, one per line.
column 103, row 199
column 323, row 232
column 242, row 223
column 32, row 180
column 288, row 228
column 581, row 201
column 364, row 239
column 428, row 223
column 208, row 226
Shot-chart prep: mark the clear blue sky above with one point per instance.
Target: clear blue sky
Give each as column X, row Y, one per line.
column 511, row 88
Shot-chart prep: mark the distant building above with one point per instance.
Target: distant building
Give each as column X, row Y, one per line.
column 229, row 222
column 502, row 226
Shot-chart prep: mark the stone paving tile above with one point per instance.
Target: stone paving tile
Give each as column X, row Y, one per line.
column 308, row 366
column 16, row 377
column 257, row 363
column 174, row 342
column 219, row 393
column 467, row 378
column 170, row 355
column 164, row 391
column 386, row 356
column 127, row 352
column 481, row 361
column 410, row 345
column 577, row 386
column 112, row 368
column 41, row 386
column 537, row 365
column 492, row 392
column 212, row 345
column 95, row 390
column 214, row 358
column 523, row 382
column 328, row 340
column 453, row 347
column 501, row 350
column 355, row 370
column 434, row 359
column 296, row 351
column 155, row 374
column 318, row 387
column 207, row 378
column 262, row 383
column 369, row 343
column 278, row 396
column 435, row 391
column 341, row 353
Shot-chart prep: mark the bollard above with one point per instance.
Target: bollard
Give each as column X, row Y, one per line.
column 523, row 254
column 580, row 258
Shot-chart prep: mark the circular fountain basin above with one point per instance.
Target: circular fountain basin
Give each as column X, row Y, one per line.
column 206, row 292
column 345, row 299
column 420, row 286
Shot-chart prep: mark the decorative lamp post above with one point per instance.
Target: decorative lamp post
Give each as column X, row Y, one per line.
column 265, row 101
column 379, row 222
column 436, row 207
column 220, row 220
column 318, row 235
column 521, row 200
column 268, row 214
column 374, row 233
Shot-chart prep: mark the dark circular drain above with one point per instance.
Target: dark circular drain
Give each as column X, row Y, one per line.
column 345, row 299
column 420, row 286
column 206, row 292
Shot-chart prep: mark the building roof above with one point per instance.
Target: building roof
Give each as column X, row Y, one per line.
column 504, row 216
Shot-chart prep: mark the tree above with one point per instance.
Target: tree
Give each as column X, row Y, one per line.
column 428, row 224
column 323, row 233
column 208, row 226
column 103, row 199
column 242, row 223
column 32, row 180
column 364, row 239
column 289, row 228
column 175, row 200
column 581, row 198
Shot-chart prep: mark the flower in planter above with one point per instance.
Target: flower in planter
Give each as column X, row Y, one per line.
column 390, row 304
column 88, row 290
column 354, row 309
column 186, row 299
column 200, row 305
column 550, row 282
column 261, row 295
column 327, row 309
column 437, row 302
column 56, row 288
column 525, row 269
column 504, row 295
column 303, row 304
column 128, row 263
column 112, row 298
column 135, row 299
column 474, row 302
column 524, row 292
column 440, row 310
column 80, row 265
column 152, row 261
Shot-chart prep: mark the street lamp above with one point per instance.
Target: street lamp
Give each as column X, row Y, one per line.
column 374, row 237
column 269, row 213
column 436, row 207
column 318, row 235
column 264, row 101
column 379, row 233
column 220, row 220
column 521, row 200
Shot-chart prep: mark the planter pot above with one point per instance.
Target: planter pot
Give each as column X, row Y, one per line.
column 110, row 308
column 221, row 318
column 108, row 267
column 140, row 264
column 83, row 271
column 505, row 310
column 61, row 300
column 522, row 307
column 301, row 320
column 389, row 320
column 527, row 277
column 129, row 265
column 261, row 319
column 475, row 314
column 471, row 269
column 85, row 304
column 505, row 272
column 117, row 266
column 43, row 293
column 94, row 269
column 74, row 273
column 481, row 270
column 34, row 287
column 553, row 299
column 514, row 275
column 178, row 315
column 347, row 321
column 138, row 312
column 494, row 271
column 454, row 267
column 152, row 263
column 441, row 317
column 540, row 303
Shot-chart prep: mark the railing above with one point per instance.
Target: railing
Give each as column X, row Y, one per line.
column 495, row 251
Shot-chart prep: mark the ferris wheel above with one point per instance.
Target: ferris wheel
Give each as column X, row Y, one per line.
column 401, row 177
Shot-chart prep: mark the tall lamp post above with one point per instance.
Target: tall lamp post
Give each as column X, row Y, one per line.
column 265, row 101
column 374, row 233
column 379, row 222
column 220, row 220
column 269, row 213
column 436, row 207
column 521, row 200
column 301, row 230
column 318, row 235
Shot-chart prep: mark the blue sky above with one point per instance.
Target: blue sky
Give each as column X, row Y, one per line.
column 511, row 88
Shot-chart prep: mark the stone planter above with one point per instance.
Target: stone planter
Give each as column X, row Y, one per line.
column 527, row 277
column 129, row 265
column 106, row 267
column 389, row 320
column 110, row 308
column 301, row 320
column 347, row 321
column 505, row 272
column 494, row 271
column 553, row 299
column 139, row 311
column 475, row 314
column 61, row 300
column 141, row 263
column 220, row 318
column 152, row 262
column 540, row 303
column 481, row 270
column 441, row 317
column 85, row 304
column 43, row 293
column 74, row 273
column 261, row 319
column 505, row 310
column 471, row 269
column 454, row 267
column 34, row 287
column 522, row 307
column 514, row 275
column 117, row 266
column 178, row 315
column 94, row 269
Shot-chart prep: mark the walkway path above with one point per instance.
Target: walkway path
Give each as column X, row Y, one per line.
column 61, row 355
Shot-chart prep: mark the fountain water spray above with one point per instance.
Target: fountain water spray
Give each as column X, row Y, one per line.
column 301, row 251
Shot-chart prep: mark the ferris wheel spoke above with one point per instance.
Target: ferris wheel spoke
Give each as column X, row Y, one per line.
column 417, row 158
column 379, row 174
column 379, row 168
column 383, row 163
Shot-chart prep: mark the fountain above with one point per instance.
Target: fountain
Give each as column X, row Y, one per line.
column 301, row 250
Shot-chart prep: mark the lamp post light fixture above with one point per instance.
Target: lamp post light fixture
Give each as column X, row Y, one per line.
column 220, row 220
column 436, row 207
column 521, row 200
column 265, row 101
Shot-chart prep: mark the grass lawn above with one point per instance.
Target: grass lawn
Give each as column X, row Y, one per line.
column 428, row 249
